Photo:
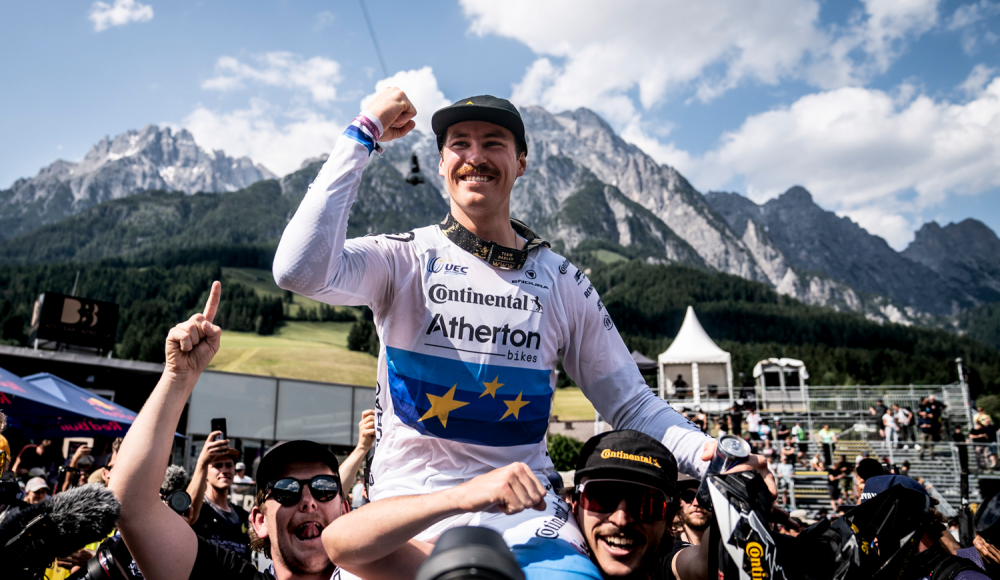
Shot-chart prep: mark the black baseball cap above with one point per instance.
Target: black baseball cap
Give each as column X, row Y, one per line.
column 282, row 454
column 481, row 108
column 988, row 521
column 881, row 483
column 630, row 456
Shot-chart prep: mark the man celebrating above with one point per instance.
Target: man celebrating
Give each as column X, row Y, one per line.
column 473, row 314
column 622, row 502
column 298, row 485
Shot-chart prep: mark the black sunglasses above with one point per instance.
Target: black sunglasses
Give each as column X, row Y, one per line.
column 688, row 495
column 288, row 491
column 645, row 503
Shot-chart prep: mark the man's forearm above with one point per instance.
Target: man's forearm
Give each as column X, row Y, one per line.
column 148, row 443
column 196, row 490
column 350, row 466
column 385, row 526
column 162, row 544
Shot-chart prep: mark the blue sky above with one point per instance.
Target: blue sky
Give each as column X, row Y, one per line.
column 887, row 110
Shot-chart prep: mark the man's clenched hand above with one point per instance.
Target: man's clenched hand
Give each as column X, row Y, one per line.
column 192, row 344
column 754, row 462
column 511, row 489
column 395, row 111
column 366, row 429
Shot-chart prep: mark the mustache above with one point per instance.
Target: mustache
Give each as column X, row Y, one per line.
column 628, row 532
column 480, row 169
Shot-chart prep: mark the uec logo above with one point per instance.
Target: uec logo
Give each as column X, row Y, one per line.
column 441, row 265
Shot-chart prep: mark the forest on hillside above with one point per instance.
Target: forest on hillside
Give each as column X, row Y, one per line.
column 753, row 322
column 647, row 302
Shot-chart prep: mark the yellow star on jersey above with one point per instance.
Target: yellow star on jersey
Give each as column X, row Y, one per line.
column 514, row 407
column 491, row 388
column 441, row 406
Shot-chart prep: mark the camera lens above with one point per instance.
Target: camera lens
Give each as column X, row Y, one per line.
column 179, row 501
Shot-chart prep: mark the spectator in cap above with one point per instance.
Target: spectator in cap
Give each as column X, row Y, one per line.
column 298, row 483
column 36, row 491
column 213, row 516
column 241, row 477
column 626, row 483
column 691, row 520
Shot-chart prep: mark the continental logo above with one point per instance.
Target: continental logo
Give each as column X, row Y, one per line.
column 608, row 454
column 754, row 553
column 440, row 294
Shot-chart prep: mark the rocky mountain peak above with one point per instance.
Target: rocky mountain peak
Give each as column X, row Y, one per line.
column 131, row 162
column 966, row 253
column 797, row 195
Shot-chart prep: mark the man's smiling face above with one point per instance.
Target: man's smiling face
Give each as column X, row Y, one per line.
column 294, row 531
column 479, row 163
column 619, row 544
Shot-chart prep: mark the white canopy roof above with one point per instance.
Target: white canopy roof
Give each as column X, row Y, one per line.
column 758, row 369
column 693, row 345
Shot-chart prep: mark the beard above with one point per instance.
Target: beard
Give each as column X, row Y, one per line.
column 696, row 521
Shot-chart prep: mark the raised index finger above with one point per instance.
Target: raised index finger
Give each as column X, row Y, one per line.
column 212, row 306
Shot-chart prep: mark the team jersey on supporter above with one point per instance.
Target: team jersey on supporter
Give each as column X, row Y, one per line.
column 466, row 370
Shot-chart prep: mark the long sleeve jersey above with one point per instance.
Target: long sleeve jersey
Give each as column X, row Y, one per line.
column 466, row 368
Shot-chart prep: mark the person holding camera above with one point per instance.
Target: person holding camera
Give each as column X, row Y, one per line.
column 299, row 489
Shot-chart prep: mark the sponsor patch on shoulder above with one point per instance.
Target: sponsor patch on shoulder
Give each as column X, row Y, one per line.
column 407, row 237
column 564, row 267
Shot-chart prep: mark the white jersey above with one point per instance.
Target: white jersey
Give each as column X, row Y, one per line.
column 466, row 370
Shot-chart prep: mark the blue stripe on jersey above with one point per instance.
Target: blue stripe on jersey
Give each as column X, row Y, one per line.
column 452, row 399
column 356, row 134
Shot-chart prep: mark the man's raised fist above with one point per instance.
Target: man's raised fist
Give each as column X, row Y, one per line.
column 395, row 111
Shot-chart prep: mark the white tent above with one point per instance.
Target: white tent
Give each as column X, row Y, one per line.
column 706, row 371
column 786, row 371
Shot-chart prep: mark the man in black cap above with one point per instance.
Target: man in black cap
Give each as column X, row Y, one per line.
column 298, row 489
column 624, row 502
column 473, row 314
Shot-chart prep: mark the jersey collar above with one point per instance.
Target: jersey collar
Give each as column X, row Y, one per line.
column 493, row 253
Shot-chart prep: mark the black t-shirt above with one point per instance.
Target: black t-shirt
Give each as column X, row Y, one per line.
column 214, row 562
column 228, row 530
column 935, row 409
column 782, row 432
column 880, row 410
column 666, row 563
column 217, row 563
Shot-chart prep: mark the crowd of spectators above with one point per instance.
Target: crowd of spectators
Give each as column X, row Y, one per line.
column 635, row 514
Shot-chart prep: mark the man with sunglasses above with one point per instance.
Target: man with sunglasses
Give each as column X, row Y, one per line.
column 298, row 486
column 691, row 519
column 624, row 502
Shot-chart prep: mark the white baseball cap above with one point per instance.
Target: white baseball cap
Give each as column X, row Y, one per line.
column 36, row 484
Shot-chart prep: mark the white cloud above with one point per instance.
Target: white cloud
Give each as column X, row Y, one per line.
column 317, row 75
column 969, row 19
column 605, row 52
column 281, row 140
column 119, row 14
column 421, row 87
column 974, row 84
column 865, row 153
